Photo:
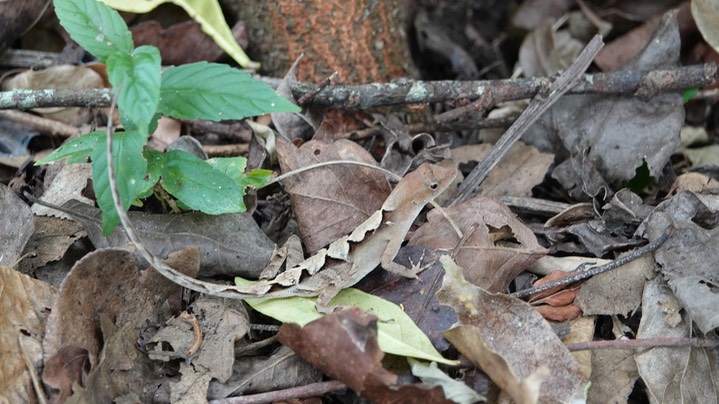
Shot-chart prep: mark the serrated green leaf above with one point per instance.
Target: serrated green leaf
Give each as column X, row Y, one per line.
column 207, row 13
column 215, row 92
column 75, row 150
column 396, row 332
column 138, row 78
column 94, row 26
column 199, row 186
column 130, row 169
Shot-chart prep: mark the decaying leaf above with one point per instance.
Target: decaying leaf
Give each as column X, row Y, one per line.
column 676, row 374
column 516, row 174
column 49, row 242
column 255, row 374
column 618, row 291
column 230, row 244
column 687, row 259
column 614, row 372
column 17, row 226
column 497, row 250
column 67, row 185
column 510, row 341
column 102, row 289
column 330, row 202
column 615, row 134
column 24, row 304
column 350, row 337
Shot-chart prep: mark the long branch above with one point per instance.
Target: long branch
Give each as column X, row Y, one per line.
column 402, row 92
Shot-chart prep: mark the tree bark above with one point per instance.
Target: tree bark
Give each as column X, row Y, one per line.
column 364, row 40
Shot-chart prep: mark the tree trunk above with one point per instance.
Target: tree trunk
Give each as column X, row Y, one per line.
column 364, row 40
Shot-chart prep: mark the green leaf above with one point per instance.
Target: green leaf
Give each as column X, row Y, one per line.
column 155, row 166
column 396, row 332
column 207, row 13
column 199, row 186
column 130, row 169
column 138, row 78
column 76, row 150
column 94, row 26
column 234, row 167
column 215, row 92
column 258, row 178
column 689, row 93
column 454, row 390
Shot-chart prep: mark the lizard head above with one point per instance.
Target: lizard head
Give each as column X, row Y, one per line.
column 420, row 186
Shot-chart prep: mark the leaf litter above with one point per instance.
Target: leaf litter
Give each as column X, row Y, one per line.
column 115, row 330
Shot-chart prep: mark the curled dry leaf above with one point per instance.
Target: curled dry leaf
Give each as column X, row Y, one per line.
column 510, row 341
column 497, row 250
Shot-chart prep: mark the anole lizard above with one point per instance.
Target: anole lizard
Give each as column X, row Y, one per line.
column 345, row 261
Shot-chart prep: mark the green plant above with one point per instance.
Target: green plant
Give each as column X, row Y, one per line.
column 144, row 93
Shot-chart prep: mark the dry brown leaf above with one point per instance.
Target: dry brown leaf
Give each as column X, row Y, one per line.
column 618, row 291
column 532, row 13
column 521, row 170
column 559, row 313
column 220, row 323
column 49, row 242
column 676, row 374
column 706, row 15
column 499, row 248
column 24, row 304
column 694, row 182
column 330, row 202
column 231, row 244
column 107, row 285
column 67, row 185
column 510, row 341
column 687, row 259
column 17, row 226
column 545, row 50
column 255, row 374
column 621, row 50
column 350, row 337
column 614, row 373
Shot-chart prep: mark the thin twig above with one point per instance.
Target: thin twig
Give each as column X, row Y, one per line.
column 310, row 390
column 538, row 106
column 643, row 343
column 631, row 256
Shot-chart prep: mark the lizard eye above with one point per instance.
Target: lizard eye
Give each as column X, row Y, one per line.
column 433, row 186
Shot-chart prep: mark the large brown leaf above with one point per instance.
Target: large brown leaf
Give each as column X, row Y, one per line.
column 330, row 202
column 499, row 248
